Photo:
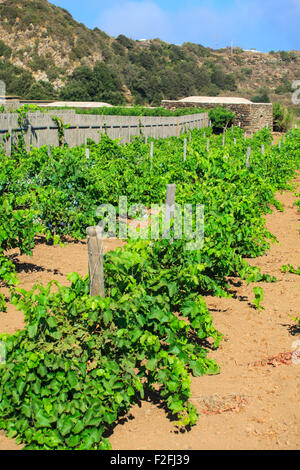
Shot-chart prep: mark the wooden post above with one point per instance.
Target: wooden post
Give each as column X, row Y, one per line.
column 30, row 138
column 234, row 141
column 87, row 153
column 190, row 137
column 151, row 154
column 27, row 136
column 207, row 145
column 248, row 157
column 279, row 144
column 184, row 150
column 262, row 149
column 95, row 252
column 10, row 142
column 223, row 143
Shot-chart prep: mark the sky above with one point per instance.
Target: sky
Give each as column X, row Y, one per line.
column 261, row 24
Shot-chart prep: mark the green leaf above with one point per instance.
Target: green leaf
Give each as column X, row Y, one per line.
column 42, row 420
column 52, row 323
column 53, row 440
column 198, row 368
column 65, row 424
column 73, row 441
column 151, row 364
column 107, row 317
column 79, row 426
column 32, row 330
column 72, row 378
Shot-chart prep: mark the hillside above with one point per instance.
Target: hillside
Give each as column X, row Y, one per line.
column 45, row 53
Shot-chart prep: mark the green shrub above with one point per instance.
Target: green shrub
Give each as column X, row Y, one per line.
column 283, row 117
column 285, row 86
column 124, row 41
column 287, row 56
column 262, row 96
column 221, row 118
column 5, row 51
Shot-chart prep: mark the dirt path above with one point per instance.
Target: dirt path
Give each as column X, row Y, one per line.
column 253, row 403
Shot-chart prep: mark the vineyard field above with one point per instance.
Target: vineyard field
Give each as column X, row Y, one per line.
column 180, row 334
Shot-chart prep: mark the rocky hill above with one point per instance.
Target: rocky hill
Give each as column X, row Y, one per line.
column 45, row 53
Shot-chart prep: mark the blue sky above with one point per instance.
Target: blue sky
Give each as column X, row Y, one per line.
column 262, row 24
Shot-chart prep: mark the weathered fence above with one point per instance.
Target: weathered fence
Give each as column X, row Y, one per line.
column 40, row 129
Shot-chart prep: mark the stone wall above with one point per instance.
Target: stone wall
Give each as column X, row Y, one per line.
column 251, row 117
column 261, row 116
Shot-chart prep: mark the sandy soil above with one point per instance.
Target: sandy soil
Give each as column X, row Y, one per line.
column 254, row 402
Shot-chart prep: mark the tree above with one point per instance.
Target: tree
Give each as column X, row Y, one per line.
column 221, row 118
column 101, row 83
column 74, row 91
column 230, row 82
column 218, row 78
column 41, row 91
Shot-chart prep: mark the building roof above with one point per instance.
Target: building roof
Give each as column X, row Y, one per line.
column 9, row 97
column 76, row 104
column 215, row 100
